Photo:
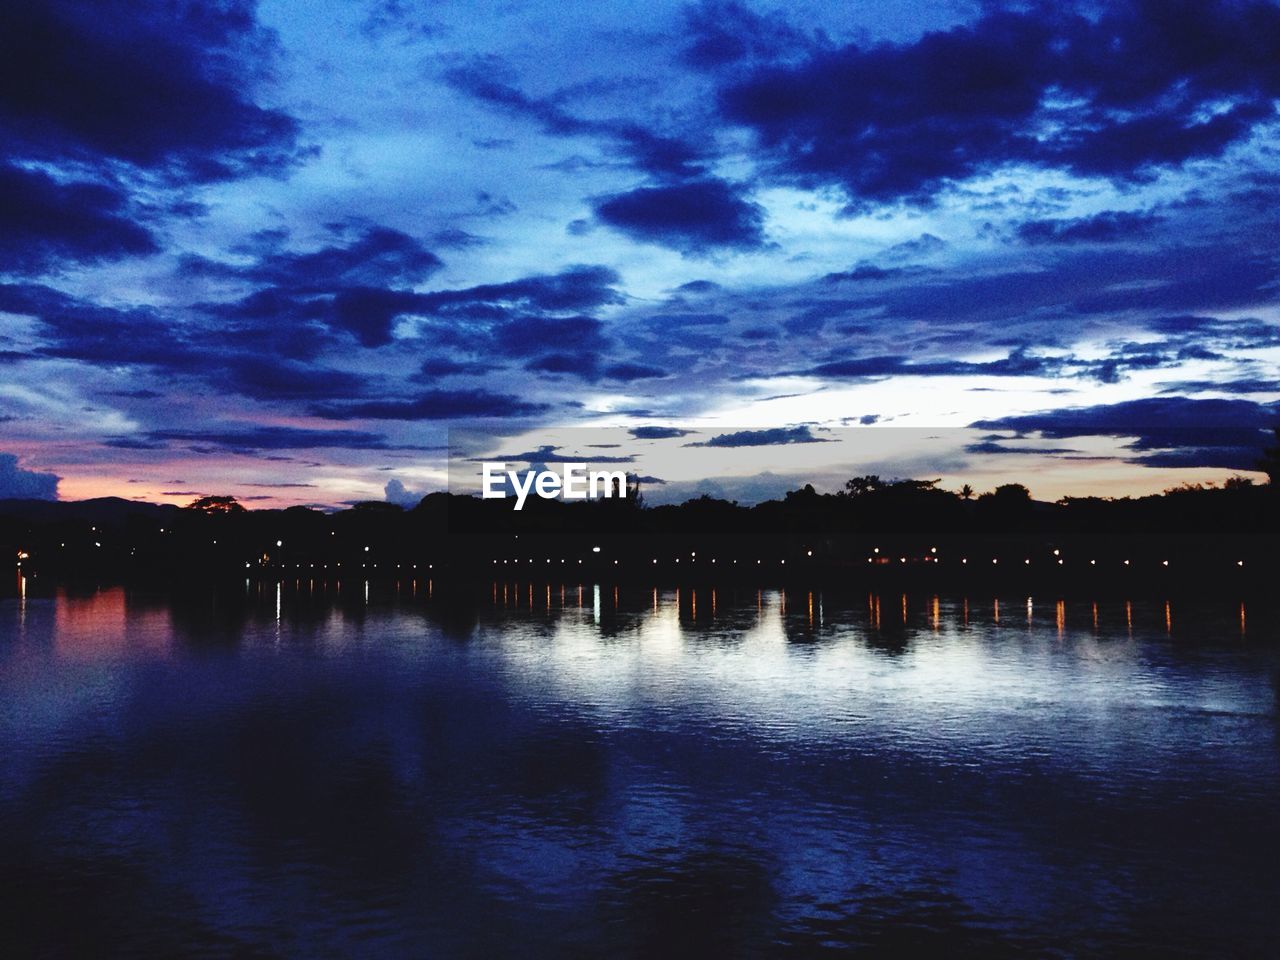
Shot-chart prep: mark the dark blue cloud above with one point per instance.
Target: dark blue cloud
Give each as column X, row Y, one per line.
column 258, row 438
column 1105, row 227
column 377, row 256
column 865, row 271
column 1168, row 431
column 591, row 367
column 254, row 364
column 576, row 288
column 1192, row 277
column 435, row 405
column 161, row 86
column 1017, row 364
column 352, row 287
column 693, row 217
column 1138, row 86
column 20, row 483
column 627, row 372
column 657, row 433
column 507, row 317
column 457, row 239
column 1187, row 278
column 527, row 335
column 1239, row 333
column 681, row 319
column 1243, row 386
column 265, row 378
column 44, row 222
column 435, row 368
column 699, row 286
column 78, row 330
column 996, row 447
column 652, row 152
column 370, row 313
column 584, row 365
column 770, row 437
column 724, row 32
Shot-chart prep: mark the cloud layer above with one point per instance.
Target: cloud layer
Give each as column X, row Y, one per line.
column 263, row 247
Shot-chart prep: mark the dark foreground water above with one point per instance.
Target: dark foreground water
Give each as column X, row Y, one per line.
column 546, row 771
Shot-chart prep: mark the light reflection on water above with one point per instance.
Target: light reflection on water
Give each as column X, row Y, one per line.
column 308, row 770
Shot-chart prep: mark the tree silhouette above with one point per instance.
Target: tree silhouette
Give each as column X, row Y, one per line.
column 966, row 492
column 1011, row 493
column 215, row 505
column 1270, row 462
column 859, row 486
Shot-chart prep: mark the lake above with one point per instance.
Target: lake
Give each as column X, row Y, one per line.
column 547, row 770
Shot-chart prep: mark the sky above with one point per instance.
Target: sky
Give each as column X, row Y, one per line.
column 301, row 253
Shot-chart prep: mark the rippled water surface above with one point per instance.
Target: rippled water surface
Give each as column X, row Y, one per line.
column 547, row 770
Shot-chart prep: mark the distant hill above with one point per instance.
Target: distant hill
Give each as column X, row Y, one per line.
column 106, row 511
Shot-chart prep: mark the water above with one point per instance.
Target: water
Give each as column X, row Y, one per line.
column 568, row 771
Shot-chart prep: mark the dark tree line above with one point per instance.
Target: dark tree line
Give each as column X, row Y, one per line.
column 217, row 534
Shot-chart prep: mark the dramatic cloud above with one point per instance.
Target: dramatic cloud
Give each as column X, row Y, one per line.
column 576, row 288
column 214, row 241
column 725, row 32
column 654, row 153
column 1255, row 385
column 378, row 255
column 165, row 86
column 771, row 437
column 1172, row 431
column 435, row 405
column 657, row 433
column 1017, row 364
column 77, row 330
column 1100, row 228
column 256, row 439
column 1140, row 86
column 348, row 287
column 17, row 483
column 627, row 372
column 43, row 222
column 864, row 271
column 691, row 217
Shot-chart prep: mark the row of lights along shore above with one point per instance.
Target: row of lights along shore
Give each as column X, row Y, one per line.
column 931, row 557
